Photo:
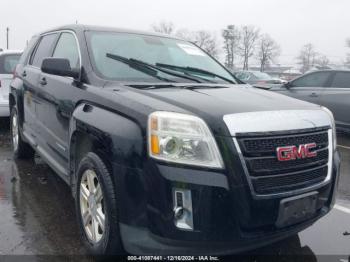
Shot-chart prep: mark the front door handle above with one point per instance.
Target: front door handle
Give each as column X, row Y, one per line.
column 313, row 95
column 43, row 81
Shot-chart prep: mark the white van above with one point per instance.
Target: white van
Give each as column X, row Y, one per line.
column 8, row 62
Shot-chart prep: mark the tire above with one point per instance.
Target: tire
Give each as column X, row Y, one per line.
column 107, row 237
column 20, row 148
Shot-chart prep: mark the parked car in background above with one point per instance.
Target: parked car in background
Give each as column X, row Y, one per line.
column 329, row 88
column 8, row 62
column 258, row 79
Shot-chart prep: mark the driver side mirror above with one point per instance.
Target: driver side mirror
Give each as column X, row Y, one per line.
column 287, row 85
column 59, row 67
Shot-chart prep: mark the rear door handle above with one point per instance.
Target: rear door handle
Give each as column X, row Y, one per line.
column 43, row 81
column 313, row 95
column 24, row 74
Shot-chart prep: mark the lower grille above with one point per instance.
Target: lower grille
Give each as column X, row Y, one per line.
column 270, row 176
column 289, row 182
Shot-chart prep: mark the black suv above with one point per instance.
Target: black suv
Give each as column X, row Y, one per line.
column 164, row 152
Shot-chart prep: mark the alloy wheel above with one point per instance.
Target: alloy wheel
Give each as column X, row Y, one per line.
column 92, row 206
column 14, row 131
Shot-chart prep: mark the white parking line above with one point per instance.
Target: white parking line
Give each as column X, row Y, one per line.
column 342, row 208
column 346, row 147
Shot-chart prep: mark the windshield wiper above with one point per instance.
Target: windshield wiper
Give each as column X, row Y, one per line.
column 142, row 68
column 194, row 70
column 149, row 68
column 175, row 85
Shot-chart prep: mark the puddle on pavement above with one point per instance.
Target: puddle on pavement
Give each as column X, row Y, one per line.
column 37, row 211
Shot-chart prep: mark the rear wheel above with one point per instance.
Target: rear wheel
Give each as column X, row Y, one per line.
column 20, row 148
column 96, row 207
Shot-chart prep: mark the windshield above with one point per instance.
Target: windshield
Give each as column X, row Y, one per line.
column 8, row 63
column 152, row 50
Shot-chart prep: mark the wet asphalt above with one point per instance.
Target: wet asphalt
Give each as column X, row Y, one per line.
column 37, row 214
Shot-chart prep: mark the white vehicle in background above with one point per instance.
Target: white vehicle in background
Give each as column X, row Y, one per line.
column 8, row 62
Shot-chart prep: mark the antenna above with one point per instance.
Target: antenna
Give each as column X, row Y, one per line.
column 7, row 37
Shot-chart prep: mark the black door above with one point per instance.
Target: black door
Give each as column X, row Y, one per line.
column 59, row 94
column 30, row 75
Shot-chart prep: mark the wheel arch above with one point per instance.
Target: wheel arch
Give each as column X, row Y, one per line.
column 12, row 100
column 16, row 98
column 115, row 138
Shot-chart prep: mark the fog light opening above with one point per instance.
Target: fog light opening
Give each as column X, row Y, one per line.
column 183, row 215
column 179, row 212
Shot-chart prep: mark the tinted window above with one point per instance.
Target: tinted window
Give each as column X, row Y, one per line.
column 312, row 80
column 8, row 63
column 43, row 50
column 30, row 47
column 341, row 79
column 243, row 76
column 67, row 48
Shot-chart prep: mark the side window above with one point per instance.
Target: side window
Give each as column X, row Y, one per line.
column 246, row 76
column 341, row 79
column 243, row 76
column 317, row 79
column 43, row 50
column 28, row 51
column 67, row 48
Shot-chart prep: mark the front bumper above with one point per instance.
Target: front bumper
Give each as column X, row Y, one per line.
column 227, row 219
column 141, row 241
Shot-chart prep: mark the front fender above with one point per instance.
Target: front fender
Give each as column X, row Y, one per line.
column 121, row 139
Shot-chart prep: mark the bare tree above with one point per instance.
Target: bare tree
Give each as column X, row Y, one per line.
column 164, row 27
column 207, row 41
column 249, row 36
column 185, row 34
column 307, row 57
column 231, row 38
column 204, row 39
column 323, row 61
column 268, row 50
column 347, row 61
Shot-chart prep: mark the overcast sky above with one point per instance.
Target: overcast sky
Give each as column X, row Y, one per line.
column 292, row 23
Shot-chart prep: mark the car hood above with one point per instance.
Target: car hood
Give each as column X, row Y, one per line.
column 213, row 102
column 267, row 86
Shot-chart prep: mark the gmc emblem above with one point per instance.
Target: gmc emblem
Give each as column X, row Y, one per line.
column 287, row 153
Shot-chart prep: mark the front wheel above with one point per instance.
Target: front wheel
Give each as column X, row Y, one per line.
column 96, row 207
column 20, row 148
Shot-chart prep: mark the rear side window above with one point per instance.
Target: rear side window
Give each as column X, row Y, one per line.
column 341, row 79
column 8, row 63
column 67, row 48
column 43, row 50
column 26, row 54
column 318, row 79
column 243, row 76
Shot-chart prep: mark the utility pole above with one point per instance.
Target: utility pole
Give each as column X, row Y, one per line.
column 7, row 37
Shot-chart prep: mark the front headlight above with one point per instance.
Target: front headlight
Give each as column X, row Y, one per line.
column 183, row 139
column 333, row 126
